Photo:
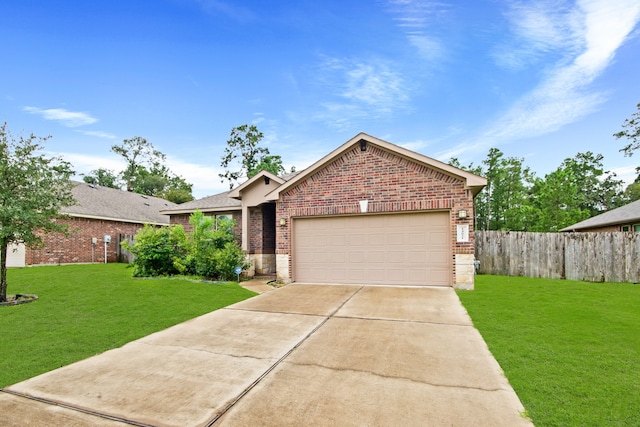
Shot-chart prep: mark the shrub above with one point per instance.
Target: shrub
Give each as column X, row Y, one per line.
column 158, row 251
column 207, row 251
column 212, row 249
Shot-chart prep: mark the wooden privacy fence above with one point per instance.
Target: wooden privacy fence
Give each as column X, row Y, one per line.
column 593, row 257
column 123, row 255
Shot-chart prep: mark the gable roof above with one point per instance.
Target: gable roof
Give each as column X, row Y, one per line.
column 627, row 214
column 235, row 193
column 473, row 182
column 116, row 205
column 217, row 203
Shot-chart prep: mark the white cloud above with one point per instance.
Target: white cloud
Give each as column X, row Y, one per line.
column 64, row 117
column 205, row 179
column 538, row 28
column 627, row 174
column 428, row 47
column 415, row 145
column 85, row 163
column 364, row 88
column 564, row 95
column 416, row 17
column 98, row 134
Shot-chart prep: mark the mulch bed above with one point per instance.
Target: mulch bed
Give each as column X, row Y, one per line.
column 19, row 299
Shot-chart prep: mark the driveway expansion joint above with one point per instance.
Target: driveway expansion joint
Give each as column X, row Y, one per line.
column 76, row 408
column 279, row 361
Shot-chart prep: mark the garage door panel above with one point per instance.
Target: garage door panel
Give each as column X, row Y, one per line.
column 416, row 257
column 337, row 258
column 356, row 257
column 395, row 238
column 409, row 249
column 439, row 238
column 375, row 257
column 440, row 258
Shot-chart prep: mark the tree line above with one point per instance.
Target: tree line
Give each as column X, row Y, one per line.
column 515, row 199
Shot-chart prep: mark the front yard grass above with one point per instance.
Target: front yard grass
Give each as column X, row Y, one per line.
column 84, row 310
column 571, row 350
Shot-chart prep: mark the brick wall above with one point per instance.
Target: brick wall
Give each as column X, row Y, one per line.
column 262, row 229
column 608, row 229
column 77, row 247
column 389, row 182
column 255, row 230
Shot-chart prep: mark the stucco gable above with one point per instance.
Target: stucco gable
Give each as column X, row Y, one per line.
column 403, row 158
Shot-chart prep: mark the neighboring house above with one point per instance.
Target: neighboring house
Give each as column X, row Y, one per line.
column 100, row 212
column 624, row 218
column 369, row 212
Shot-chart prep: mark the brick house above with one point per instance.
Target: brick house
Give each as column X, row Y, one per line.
column 368, row 212
column 624, row 218
column 100, row 212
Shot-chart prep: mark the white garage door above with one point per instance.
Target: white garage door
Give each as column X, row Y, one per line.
column 402, row 249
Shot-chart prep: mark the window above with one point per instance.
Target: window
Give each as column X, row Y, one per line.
column 220, row 218
column 636, row 228
column 625, row 228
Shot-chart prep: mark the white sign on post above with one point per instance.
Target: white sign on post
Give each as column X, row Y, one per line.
column 462, row 232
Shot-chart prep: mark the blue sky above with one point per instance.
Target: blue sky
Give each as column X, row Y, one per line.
column 542, row 80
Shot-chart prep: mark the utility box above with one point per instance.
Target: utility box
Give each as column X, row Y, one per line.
column 107, row 238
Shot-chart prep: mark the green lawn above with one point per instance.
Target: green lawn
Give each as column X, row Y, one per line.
column 571, row 350
column 84, row 310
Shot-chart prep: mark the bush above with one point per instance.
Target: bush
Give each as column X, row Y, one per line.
column 158, row 251
column 207, row 251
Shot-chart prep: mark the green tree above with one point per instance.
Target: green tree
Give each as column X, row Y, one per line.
column 503, row 204
column 102, row 177
column 146, row 172
column 137, row 152
column 243, row 146
column 632, row 192
column 33, row 189
column 577, row 190
column 271, row 164
column 630, row 131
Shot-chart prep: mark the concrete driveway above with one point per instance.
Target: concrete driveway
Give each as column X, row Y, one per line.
column 315, row 355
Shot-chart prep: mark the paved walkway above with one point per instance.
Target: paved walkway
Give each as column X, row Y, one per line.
column 313, row 355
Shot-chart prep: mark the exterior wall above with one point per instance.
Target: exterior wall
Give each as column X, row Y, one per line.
column 390, row 183
column 262, row 239
column 255, row 230
column 77, row 247
column 607, row 229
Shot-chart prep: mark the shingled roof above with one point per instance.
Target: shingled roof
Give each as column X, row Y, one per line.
column 627, row 214
column 117, row 205
column 218, row 202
